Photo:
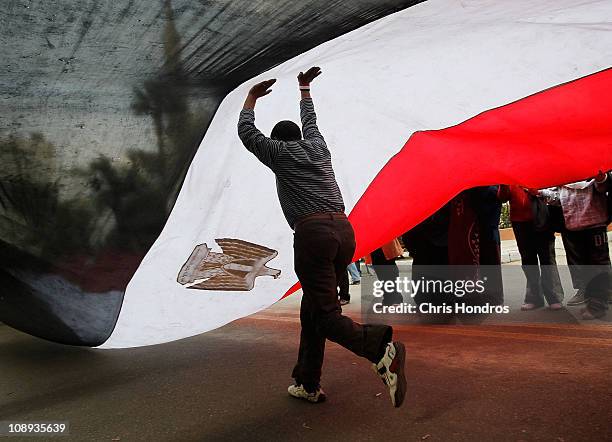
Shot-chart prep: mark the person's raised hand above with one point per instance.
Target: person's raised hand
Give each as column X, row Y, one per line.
column 261, row 89
column 304, row 78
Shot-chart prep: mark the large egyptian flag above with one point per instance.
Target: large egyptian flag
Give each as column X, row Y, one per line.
column 415, row 107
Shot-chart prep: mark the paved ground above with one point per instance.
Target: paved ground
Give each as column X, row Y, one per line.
column 536, row 376
column 545, row 382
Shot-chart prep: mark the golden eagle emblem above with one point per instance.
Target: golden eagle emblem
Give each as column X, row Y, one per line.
column 235, row 269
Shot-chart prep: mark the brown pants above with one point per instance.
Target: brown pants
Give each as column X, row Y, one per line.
column 323, row 248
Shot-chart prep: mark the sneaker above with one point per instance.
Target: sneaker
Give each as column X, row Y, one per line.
column 529, row 306
column 588, row 314
column 344, row 301
column 578, row 298
column 355, row 282
column 298, row 391
column 555, row 306
column 391, row 370
column 594, row 309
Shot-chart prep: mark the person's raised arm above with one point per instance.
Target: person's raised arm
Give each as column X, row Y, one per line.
column 257, row 143
column 307, row 112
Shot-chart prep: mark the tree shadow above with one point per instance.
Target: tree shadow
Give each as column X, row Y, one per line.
column 58, row 243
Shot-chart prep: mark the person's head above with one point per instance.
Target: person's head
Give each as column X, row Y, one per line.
column 286, row 131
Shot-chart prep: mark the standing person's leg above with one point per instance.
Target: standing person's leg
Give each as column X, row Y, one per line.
column 550, row 280
column 344, row 295
column 490, row 267
column 378, row 263
column 525, row 235
column 575, row 244
column 597, row 289
column 343, row 288
column 386, row 270
column 430, row 264
column 355, row 276
column 392, row 274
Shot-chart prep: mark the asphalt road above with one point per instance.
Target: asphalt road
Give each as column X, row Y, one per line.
column 548, row 382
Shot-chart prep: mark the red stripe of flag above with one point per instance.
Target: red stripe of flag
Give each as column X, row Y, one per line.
column 560, row 135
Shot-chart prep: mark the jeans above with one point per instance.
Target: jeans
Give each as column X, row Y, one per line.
column 352, row 269
column 539, row 263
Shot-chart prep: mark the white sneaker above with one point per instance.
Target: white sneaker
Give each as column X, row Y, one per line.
column 298, row 391
column 391, row 370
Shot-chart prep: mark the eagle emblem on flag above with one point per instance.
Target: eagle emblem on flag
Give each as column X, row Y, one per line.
column 233, row 270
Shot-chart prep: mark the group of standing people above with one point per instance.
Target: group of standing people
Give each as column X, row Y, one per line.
column 465, row 235
column 581, row 212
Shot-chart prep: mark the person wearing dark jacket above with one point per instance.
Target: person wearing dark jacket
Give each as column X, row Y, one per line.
column 427, row 244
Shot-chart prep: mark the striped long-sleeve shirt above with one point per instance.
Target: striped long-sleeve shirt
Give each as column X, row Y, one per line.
column 305, row 179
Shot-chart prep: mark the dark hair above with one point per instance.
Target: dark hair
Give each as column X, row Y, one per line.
column 286, row 131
